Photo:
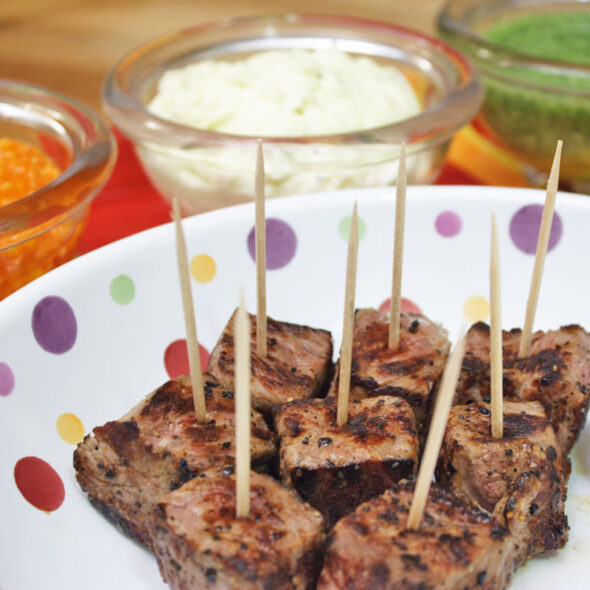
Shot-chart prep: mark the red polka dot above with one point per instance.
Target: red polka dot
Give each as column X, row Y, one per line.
column 39, row 483
column 176, row 358
column 407, row 306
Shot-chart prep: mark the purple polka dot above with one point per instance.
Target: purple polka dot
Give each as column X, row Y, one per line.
column 524, row 229
column 281, row 243
column 448, row 224
column 6, row 380
column 54, row 325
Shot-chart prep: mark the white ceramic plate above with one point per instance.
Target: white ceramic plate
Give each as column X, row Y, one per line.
column 116, row 353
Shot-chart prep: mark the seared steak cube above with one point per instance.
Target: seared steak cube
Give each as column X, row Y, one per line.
column 411, row 372
column 483, row 470
column 457, row 546
column 126, row 465
column 478, row 467
column 298, row 364
column 556, row 373
column 200, row 543
column 474, row 379
column 337, row 468
column 533, row 511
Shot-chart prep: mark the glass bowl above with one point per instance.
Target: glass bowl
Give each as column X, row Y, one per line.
column 530, row 102
column 41, row 230
column 207, row 169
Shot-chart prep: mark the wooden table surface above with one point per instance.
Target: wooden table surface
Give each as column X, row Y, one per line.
column 69, row 45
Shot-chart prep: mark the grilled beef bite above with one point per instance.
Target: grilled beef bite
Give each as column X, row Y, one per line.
column 527, row 465
column 457, row 546
column 298, row 364
column 533, row 511
column 126, row 465
column 337, row 468
column 411, row 372
column 556, row 373
column 200, row 543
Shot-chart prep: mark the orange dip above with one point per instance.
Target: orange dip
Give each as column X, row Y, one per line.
column 28, row 251
column 23, row 170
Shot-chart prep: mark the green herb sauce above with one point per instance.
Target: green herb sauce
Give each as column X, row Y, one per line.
column 530, row 108
column 561, row 36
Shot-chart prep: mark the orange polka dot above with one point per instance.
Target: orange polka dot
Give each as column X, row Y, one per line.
column 203, row 268
column 476, row 309
column 70, row 428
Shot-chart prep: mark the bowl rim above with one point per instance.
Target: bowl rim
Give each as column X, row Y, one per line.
column 492, row 54
column 466, row 97
column 95, row 148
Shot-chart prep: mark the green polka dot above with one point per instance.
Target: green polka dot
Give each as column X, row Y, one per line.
column 122, row 290
column 344, row 227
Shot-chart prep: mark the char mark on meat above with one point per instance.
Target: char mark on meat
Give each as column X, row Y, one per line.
column 298, row 364
column 126, row 465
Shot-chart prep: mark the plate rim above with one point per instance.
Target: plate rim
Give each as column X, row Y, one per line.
column 279, row 205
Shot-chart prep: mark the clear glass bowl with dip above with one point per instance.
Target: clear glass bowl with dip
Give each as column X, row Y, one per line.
column 40, row 230
column 534, row 59
column 206, row 167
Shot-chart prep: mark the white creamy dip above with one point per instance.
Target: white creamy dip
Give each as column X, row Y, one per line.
column 286, row 94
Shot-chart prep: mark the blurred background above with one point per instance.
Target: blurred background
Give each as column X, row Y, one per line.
column 69, row 45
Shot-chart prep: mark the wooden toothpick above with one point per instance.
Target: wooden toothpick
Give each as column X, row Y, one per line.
column 543, row 242
column 398, row 252
column 242, row 409
column 261, row 328
column 435, row 434
column 192, row 342
column 496, row 337
column 348, row 323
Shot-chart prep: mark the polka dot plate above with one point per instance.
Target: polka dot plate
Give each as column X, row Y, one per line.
column 83, row 344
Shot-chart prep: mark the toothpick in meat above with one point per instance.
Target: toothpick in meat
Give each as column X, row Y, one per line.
column 261, row 327
column 242, row 381
column 398, row 251
column 496, row 337
column 189, row 318
column 543, row 242
column 347, row 332
column 435, row 434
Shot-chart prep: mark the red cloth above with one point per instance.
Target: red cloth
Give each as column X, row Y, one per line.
column 129, row 203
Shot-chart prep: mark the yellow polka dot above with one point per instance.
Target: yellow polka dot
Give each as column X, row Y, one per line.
column 476, row 309
column 203, row 268
column 70, row 428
